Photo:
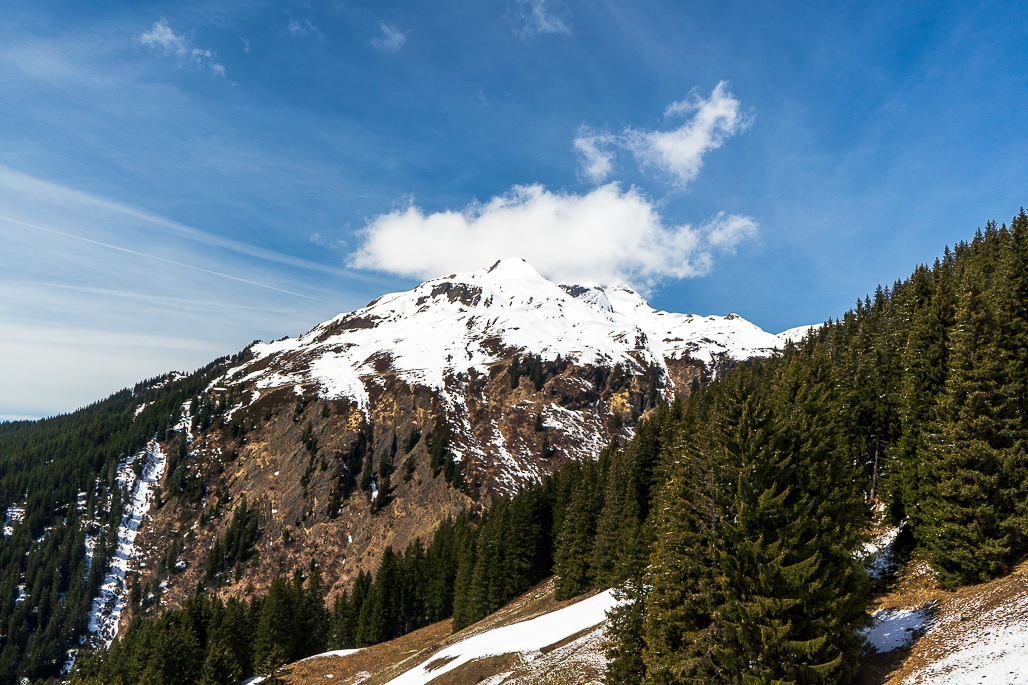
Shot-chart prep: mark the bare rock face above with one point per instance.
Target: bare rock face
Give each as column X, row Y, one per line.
column 464, row 388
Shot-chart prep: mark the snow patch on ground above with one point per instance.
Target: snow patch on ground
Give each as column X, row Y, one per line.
column 12, row 517
column 526, row 638
column 334, row 652
column 896, row 628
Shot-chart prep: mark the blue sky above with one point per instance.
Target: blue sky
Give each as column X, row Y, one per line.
column 178, row 179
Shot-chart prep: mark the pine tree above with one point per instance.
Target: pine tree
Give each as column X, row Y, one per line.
column 926, row 363
column 752, row 577
column 220, row 666
column 574, row 544
column 961, row 523
column 342, row 622
column 1012, row 316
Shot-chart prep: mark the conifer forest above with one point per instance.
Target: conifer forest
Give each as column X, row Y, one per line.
column 730, row 525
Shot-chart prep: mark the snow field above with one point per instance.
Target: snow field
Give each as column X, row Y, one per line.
column 453, row 325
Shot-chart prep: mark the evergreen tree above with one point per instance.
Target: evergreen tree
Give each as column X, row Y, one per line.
column 574, row 544
column 961, row 524
column 220, row 666
column 754, row 579
column 926, row 367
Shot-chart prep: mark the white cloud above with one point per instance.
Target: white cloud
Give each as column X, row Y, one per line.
column 392, row 38
column 595, row 149
column 537, row 18
column 679, row 152
column 164, row 40
column 304, row 28
column 727, row 231
column 161, row 37
column 609, row 235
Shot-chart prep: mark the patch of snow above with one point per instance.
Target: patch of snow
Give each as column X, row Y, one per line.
column 526, row 638
column 796, row 334
column 12, row 517
column 334, row 652
column 896, row 628
column 587, row 653
column 140, row 408
column 184, row 424
column 72, row 654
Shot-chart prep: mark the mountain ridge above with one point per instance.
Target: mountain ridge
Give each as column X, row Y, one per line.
column 491, row 379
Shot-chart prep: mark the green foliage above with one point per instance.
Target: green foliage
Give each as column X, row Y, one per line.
column 441, row 458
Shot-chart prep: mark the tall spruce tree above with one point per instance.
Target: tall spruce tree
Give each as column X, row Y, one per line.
column 961, row 529
column 1012, row 324
column 752, row 577
column 926, row 363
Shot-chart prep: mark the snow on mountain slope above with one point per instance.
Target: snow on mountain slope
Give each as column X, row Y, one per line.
column 601, row 357
column 472, row 320
column 107, row 607
column 526, row 638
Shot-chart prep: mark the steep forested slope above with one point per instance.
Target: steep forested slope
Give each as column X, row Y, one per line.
column 63, row 507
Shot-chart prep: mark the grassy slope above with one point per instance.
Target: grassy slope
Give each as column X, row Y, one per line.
column 569, row 662
column 957, row 620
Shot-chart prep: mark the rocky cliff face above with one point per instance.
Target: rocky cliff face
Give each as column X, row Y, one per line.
column 463, row 388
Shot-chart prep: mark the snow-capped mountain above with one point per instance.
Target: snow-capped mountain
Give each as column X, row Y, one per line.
column 454, row 336
column 463, row 386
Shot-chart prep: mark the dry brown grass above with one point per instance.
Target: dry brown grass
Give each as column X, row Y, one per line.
column 953, row 612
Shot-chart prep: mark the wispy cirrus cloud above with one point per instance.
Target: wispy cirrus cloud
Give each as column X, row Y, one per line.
column 608, row 235
column 392, row 38
column 162, row 39
column 299, row 28
column 676, row 153
column 536, row 17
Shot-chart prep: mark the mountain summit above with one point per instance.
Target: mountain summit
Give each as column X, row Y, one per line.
column 452, row 336
column 467, row 322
